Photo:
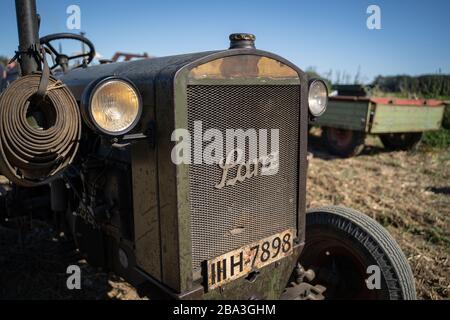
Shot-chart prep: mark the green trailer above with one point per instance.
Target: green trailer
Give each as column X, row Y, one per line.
column 400, row 123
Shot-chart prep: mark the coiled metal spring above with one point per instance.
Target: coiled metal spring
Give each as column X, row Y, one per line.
column 39, row 136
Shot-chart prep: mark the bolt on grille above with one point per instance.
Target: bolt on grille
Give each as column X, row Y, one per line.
column 258, row 207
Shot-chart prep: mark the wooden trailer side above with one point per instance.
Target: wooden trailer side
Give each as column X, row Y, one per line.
column 400, row 118
column 345, row 114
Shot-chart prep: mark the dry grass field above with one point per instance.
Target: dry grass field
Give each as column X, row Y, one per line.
column 408, row 193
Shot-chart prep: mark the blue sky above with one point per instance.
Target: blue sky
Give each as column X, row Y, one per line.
column 325, row 34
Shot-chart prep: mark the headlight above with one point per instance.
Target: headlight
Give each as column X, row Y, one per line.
column 112, row 105
column 318, row 97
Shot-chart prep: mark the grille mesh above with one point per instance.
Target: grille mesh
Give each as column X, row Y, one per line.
column 260, row 206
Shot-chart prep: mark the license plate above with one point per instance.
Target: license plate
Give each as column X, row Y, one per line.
column 240, row 262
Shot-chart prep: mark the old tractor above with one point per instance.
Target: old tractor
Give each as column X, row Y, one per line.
column 102, row 144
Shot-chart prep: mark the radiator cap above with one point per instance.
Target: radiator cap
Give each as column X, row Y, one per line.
column 242, row 41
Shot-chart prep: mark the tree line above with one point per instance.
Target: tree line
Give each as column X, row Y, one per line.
column 424, row 86
column 427, row 86
column 3, row 60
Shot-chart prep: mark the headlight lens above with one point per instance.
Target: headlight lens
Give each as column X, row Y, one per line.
column 318, row 97
column 115, row 106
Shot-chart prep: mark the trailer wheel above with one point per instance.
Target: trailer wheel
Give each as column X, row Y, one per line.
column 342, row 142
column 401, row 141
column 345, row 248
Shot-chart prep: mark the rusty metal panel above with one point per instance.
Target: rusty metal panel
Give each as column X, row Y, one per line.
column 412, row 118
column 145, row 204
column 407, row 102
column 243, row 66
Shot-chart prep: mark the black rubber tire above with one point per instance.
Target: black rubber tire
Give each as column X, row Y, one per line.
column 353, row 147
column 369, row 239
column 401, row 141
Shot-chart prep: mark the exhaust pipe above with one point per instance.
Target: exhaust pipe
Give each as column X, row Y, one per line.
column 39, row 137
column 28, row 28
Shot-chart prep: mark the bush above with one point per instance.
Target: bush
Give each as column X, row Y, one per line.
column 446, row 120
column 426, row 86
column 437, row 139
column 3, row 60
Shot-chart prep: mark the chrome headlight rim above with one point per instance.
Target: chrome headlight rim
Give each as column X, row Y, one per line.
column 86, row 103
column 311, row 83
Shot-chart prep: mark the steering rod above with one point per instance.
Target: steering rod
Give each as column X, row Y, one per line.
column 28, row 29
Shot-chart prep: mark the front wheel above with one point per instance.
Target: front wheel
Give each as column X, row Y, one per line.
column 354, row 257
column 342, row 142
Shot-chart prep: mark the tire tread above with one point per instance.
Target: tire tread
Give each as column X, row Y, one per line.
column 384, row 249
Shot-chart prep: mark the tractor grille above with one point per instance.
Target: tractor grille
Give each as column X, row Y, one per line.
column 258, row 207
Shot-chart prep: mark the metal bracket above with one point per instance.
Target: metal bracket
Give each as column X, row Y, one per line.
column 128, row 139
column 303, row 291
column 300, row 290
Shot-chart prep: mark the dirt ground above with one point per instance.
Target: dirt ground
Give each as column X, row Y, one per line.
column 409, row 193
